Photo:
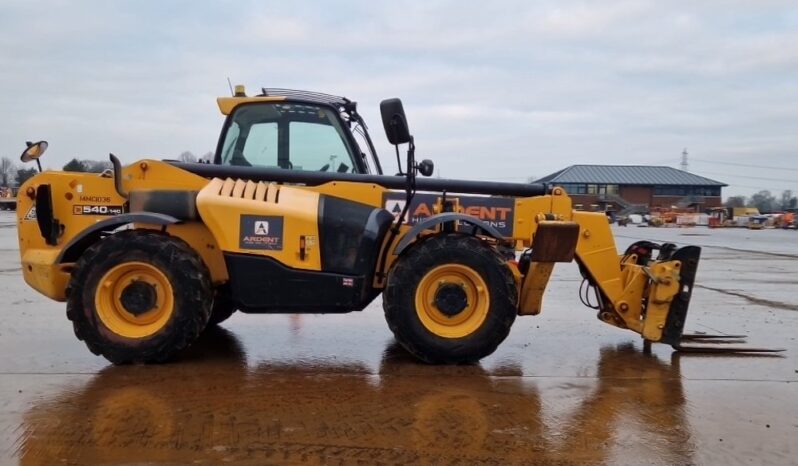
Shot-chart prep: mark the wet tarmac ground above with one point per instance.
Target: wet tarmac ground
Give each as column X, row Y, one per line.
column 563, row 389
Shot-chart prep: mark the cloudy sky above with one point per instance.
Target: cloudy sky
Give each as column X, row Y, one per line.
column 498, row 90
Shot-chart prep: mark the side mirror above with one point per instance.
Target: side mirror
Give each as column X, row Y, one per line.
column 33, row 151
column 426, row 167
column 394, row 121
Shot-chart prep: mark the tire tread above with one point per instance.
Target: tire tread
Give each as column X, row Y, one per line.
column 197, row 289
column 402, row 281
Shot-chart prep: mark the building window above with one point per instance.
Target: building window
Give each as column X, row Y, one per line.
column 596, row 189
column 670, row 190
column 687, row 191
column 706, row 191
column 608, row 189
column 573, row 188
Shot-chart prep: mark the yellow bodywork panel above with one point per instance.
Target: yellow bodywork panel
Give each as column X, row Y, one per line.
column 664, row 288
column 364, row 193
column 82, row 199
column 201, row 240
column 79, row 201
column 530, row 211
column 41, row 272
column 278, row 221
column 596, row 249
column 228, row 104
column 534, row 286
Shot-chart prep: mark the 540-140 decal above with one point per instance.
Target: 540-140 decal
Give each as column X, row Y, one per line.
column 97, row 210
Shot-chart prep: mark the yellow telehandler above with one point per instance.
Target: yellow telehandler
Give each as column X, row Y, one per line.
column 295, row 215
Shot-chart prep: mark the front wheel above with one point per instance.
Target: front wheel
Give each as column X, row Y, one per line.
column 451, row 299
column 139, row 296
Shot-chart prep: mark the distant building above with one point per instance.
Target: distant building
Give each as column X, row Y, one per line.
column 635, row 188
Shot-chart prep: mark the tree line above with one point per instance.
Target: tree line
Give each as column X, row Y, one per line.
column 765, row 201
column 13, row 174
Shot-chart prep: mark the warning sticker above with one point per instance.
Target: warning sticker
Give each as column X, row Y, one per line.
column 261, row 232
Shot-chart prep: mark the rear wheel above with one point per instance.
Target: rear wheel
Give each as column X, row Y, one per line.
column 451, row 299
column 139, row 296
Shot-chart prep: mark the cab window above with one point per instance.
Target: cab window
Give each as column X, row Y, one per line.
column 260, row 146
column 290, row 136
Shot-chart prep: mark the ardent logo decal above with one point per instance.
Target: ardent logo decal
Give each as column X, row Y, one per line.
column 495, row 211
column 262, row 227
column 261, row 232
column 395, row 207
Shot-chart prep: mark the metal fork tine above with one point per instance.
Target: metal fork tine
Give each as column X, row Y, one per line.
column 704, row 336
column 725, row 349
column 706, row 343
column 716, row 342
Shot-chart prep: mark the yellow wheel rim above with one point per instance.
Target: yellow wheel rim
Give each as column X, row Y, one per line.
column 122, row 309
column 452, row 324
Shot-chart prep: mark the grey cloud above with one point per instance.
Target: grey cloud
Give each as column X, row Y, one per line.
column 494, row 91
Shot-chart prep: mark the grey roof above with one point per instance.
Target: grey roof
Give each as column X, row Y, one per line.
column 627, row 175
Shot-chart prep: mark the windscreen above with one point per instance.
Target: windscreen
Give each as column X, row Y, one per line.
column 288, row 135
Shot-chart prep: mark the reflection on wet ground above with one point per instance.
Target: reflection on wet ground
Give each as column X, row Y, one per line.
column 212, row 407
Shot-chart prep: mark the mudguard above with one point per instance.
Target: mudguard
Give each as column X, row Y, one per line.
column 442, row 218
column 87, row 237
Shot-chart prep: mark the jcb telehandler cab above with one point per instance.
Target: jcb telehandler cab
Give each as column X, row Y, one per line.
column 294, row 215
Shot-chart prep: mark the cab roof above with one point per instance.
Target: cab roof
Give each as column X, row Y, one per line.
column 227, row 104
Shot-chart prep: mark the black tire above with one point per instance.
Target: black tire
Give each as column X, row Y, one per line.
column 222, row 308
column 191, row 296
column 411, row 268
